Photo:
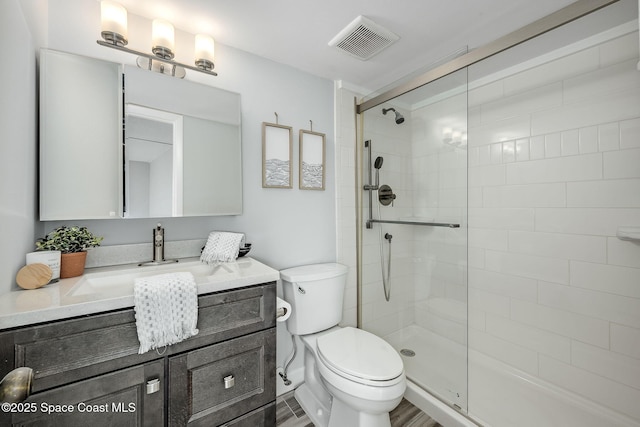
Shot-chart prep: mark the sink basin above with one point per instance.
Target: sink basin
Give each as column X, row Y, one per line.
column 119, row 282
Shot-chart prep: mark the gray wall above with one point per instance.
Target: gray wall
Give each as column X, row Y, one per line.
column 18, row 118
column 286, row 227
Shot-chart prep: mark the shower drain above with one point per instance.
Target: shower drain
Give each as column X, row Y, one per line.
column 407, row 352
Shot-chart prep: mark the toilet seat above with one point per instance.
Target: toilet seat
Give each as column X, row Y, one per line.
column 360, row 356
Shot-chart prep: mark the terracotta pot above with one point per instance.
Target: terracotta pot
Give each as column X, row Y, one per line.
column 72, row 265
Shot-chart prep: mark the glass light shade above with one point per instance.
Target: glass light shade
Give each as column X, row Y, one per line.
column 163, row 40
column 204, row 51
column 113, row 22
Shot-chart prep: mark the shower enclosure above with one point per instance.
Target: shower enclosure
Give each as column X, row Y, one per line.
column 489, row 206
column 423, row 267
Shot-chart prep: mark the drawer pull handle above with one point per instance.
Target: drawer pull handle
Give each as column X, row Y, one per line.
column 229, row 381
column 153, row 386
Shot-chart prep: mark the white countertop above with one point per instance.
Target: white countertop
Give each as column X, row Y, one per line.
column 110, row 288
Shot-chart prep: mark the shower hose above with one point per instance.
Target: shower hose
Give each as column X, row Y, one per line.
column 386, row 279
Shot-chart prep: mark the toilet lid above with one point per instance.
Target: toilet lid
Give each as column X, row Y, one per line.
column 360, row 354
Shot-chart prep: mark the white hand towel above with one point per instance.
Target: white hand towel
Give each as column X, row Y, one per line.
column 166, row 309
column 221, row 247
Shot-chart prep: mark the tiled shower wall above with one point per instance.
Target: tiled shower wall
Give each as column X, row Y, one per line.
column 554, row 170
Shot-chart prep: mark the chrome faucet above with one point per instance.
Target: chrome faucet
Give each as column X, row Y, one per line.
column 158, row 248
column 158, row 243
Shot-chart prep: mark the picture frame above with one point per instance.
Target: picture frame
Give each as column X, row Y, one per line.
column 277, row 153
column 312, row 160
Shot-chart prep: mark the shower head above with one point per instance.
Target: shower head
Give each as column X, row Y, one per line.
column 399, row 117
column 378, row 163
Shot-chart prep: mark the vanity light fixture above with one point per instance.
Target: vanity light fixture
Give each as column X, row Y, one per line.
column 114, row 33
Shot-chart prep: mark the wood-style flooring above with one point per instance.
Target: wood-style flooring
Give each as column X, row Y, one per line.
column 290, row 414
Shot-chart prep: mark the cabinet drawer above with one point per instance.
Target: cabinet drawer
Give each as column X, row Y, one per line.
column 261, row 417
column 201, row 392
column 118, row 398
column 71, row 350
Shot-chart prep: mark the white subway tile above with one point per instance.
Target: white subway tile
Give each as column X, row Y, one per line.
column 503, row 284
column 477, row 319
column 489, row 302
column 589, row 139
column 623, row 252
column 619, row 50
column 534, row 267
column 563, row 246
column 485, row 94
column 625, row 340
column 602, row 82
column 622, row 164
column 609, row 137
column 505, row 351
column 484, row 154
column 496, row 153
column 630, row 133
column 537, row 147
column 553, row 145
column 591, row 221
column 508, row 151
column 573, row 168
column 616, row 367
column 612, row 279
column 488, row 238
column 623, row 193
column 522, row 196
column 522, row 150
column 609, row 307
column 570, row 142
column 595, row 387
column 582, row 328
column 488, row 175
column 532, row 338
column 504, row 130
column 553, row 71
column 523, row 103
column 503, row 219
column 604, row 109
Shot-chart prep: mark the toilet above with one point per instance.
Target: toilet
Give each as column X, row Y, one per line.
column 352, row 378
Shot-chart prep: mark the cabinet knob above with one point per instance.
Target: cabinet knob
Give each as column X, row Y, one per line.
column 229, row 381
column 153, row 386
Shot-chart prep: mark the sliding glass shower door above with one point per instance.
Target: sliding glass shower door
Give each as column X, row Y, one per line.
column 414, row 233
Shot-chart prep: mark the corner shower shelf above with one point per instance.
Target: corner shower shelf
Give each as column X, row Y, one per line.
column 430, row 224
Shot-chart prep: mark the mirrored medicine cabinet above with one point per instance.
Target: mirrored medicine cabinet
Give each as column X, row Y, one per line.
column 121, row 142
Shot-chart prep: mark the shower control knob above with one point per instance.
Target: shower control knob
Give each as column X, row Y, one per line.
column 386, row 195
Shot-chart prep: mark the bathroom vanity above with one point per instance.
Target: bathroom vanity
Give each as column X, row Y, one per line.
column 87, row 370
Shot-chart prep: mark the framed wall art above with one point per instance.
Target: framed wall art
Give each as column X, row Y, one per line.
column 312, row 160
column 277, row 153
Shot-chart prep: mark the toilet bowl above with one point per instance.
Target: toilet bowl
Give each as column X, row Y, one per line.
column 352, row 378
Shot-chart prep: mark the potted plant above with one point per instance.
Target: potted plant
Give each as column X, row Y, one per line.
column 73, row 243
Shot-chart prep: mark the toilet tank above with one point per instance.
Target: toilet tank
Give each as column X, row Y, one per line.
column 315, row 293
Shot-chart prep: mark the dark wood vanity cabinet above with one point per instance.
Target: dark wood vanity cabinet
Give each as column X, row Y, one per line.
column 223, row 376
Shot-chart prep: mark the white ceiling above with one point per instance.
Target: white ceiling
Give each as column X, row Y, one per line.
column 297, row 32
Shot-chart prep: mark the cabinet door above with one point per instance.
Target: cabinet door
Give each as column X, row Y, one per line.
column 116, row 399
column 80, row 137
column 221, row 382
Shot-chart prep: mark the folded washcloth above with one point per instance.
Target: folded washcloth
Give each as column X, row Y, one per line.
column 166, row 309
column 221, row 247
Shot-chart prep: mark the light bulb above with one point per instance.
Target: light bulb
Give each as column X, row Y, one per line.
column 204, row 51
column 162, row 36
column 113, row 23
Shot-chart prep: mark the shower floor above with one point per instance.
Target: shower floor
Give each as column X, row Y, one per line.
column 439, row 364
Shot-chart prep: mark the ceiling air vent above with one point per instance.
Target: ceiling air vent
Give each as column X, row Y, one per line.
column 363, row 38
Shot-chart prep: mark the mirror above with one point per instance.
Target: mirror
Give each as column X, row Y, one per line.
column 180, row 154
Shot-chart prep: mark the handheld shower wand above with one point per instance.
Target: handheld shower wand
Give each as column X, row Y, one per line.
column 377, row 165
